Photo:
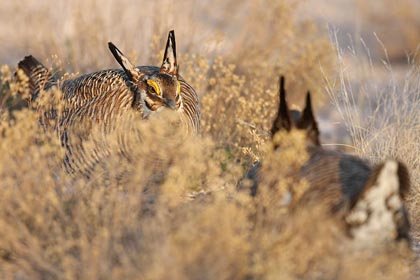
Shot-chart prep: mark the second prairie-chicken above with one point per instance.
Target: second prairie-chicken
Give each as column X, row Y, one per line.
column 372, row 198
column 101, row 96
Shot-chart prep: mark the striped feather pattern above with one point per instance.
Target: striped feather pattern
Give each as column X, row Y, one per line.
column 39, row 76
column 335, row 178
column 103, row 105
column 190, row 107
column 77, row 124
column 87, row 87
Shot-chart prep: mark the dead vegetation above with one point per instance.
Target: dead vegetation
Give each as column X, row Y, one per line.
column 170, row 209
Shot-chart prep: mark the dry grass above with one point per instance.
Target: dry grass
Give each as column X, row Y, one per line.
column 381, row 116
column 166, row 207
column 176, row 210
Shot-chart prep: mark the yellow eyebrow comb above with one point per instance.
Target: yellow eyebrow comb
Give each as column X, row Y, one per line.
column 155, row 86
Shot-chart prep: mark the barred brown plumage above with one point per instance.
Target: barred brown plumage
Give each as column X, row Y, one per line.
column 370, row 200
column 39, row 76
column 103, row 95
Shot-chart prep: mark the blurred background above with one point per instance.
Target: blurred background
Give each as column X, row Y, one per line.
column 305, row 40
column 210, row 28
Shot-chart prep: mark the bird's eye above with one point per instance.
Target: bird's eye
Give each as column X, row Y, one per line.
column 153, row 87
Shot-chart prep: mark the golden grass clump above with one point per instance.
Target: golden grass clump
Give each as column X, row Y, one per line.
column 281, row 167
column 311, row 245
column 308, row 241
column 9, row 89
column 293, row 241
column 281, row 235
column 160, row 204
column 134, row 215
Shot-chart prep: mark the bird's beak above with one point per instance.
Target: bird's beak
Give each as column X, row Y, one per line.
column 170, row 103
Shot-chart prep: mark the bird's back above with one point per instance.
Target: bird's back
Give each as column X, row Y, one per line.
column 85, row 88
column 334, row 177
